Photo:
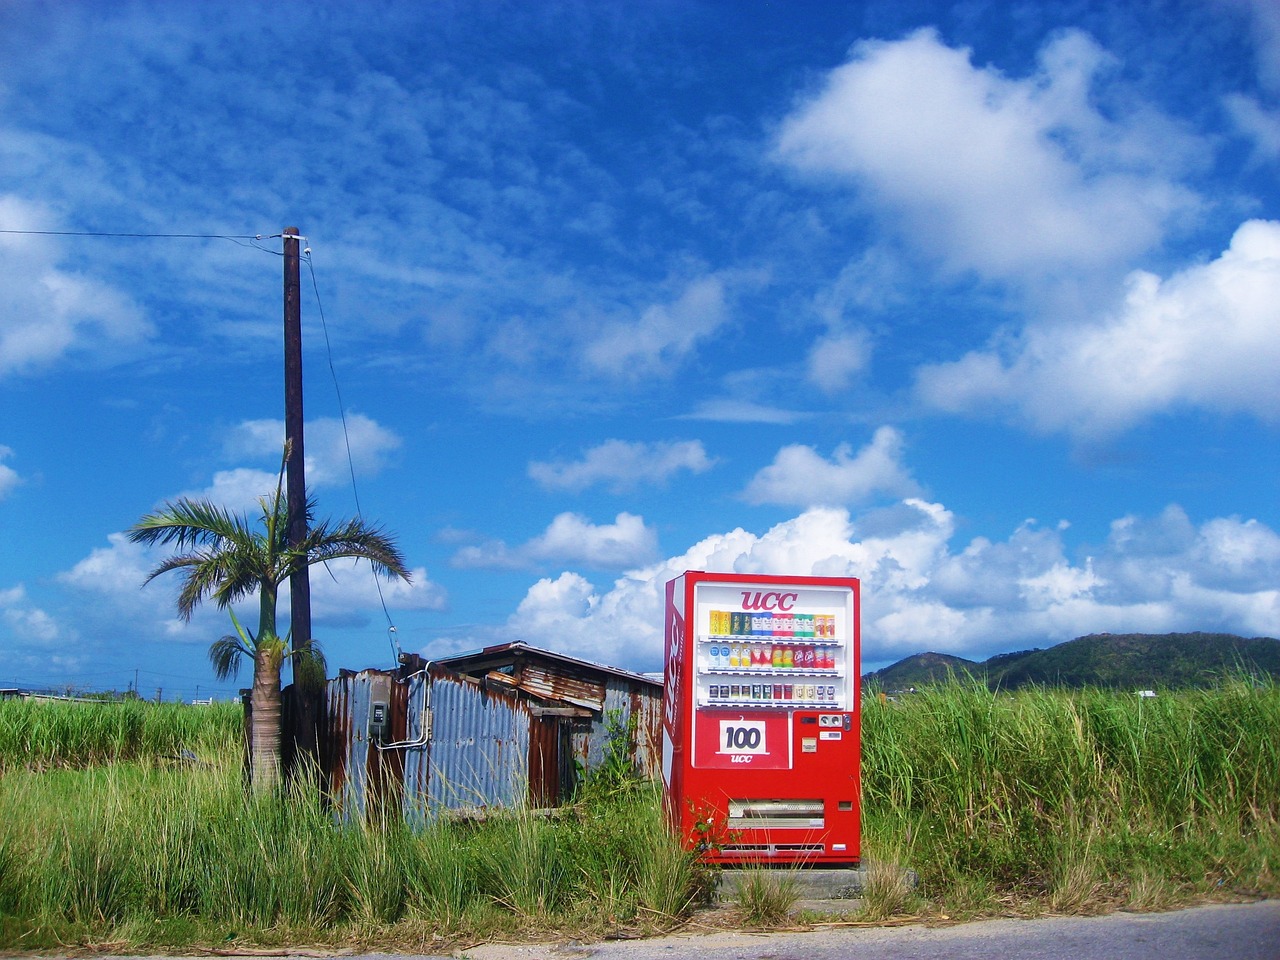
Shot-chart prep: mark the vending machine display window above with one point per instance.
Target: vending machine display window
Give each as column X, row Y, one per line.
column 761, row 738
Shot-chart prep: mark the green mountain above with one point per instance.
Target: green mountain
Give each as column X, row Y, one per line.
column 1123, row 660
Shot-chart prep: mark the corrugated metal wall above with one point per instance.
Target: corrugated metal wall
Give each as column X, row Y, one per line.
column 453, row 743
column 479, row 748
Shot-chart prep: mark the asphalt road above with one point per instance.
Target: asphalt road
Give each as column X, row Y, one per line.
column 1220, row 932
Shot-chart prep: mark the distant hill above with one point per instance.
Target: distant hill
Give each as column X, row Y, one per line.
column 922, row 668
column 1123, row 660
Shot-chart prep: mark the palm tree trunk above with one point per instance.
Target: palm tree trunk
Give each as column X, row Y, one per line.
column 264, row 772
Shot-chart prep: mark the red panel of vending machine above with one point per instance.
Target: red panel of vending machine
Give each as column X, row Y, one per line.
column 760, row 734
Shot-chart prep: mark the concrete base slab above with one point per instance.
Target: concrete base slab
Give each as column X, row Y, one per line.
column 810, row 883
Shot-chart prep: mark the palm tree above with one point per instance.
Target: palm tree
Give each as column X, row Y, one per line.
column 228, row 560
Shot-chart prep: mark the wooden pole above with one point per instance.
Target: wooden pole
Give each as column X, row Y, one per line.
column 295, row 471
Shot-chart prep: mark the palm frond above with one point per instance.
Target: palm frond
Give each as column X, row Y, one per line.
column 225, row 654
column 356, row 540
column 310, row 670
column 187, row 523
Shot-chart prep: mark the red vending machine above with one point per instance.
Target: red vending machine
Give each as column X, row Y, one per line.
column 761, row 741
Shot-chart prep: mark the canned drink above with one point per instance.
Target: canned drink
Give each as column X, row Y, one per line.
column 788, row 691
column 755, row 692
column 777, row 691
column 766, row 691
column 831, row 693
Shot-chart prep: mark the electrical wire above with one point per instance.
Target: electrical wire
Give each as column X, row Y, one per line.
column 342, row 414
column 243, row 240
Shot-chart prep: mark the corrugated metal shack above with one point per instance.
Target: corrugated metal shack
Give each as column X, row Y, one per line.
column 512, row 725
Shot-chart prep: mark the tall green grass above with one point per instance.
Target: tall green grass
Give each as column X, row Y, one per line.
column 153, row 854
column 59, row 733
column 1073, row 799
column 1068, row 802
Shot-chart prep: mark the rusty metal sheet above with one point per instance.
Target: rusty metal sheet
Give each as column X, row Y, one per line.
column 560, row 682
column 479, row 747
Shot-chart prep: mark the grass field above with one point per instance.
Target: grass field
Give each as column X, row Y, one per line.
column 112, row 837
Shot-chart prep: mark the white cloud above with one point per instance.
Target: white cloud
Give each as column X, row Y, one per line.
column 325, row 445
column 343, row 593
column 1257, row 123
column 836, row 358
column 622, row 465
column 663, row 336
column 1012, row 178
column 725, row 410
column 8, row 476
column 237, row 490
column 1205, row 337
column 1266, row 36
column 570, row 538
column 800, row 476
column 1158, row 575
column 49, row 311
column 28, row 624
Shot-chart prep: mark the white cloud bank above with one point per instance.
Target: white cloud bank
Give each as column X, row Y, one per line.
column 570, row 538
column 1204, row 337
column 622, row 466
column 1011, row 178
column 327, row 442
column 800, row 476
column 49, row 311
column 663, row 335
column 922, row 592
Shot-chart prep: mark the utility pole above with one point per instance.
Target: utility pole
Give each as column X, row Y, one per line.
column 295, row 470
column 302, row 732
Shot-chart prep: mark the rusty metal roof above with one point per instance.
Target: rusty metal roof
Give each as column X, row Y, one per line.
column 546, row 673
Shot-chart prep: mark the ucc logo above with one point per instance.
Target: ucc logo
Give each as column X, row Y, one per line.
column 768, row 601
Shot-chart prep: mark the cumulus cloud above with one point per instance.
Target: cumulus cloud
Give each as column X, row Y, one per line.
column 326, row 445
column 800, row 476
column 237, row 490
column 663, row 336
column 836, row 358
column 923, row 592
column 570, row 538
column 1205, row 337
column 1011, row 178
column 621, row 465
column 343, row 593
column 8, row 476
column 28, row 623
column 50, row 311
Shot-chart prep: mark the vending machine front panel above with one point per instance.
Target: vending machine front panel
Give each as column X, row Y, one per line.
column 762, row 716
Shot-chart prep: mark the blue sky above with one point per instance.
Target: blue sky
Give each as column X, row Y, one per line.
column 979, row 302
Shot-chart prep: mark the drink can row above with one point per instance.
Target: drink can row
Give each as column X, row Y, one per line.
column 816, row 626
column 779, row 656
column 759, row 692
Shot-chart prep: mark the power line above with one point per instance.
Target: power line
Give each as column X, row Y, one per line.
column 141, row 236
column 342, row 413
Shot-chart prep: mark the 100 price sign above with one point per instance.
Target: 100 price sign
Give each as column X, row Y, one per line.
column 742, row 736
